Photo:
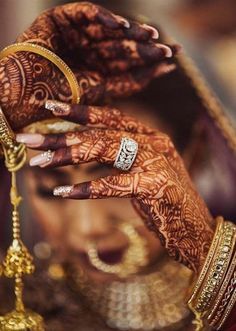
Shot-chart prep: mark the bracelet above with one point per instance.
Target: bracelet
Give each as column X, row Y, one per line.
column 214, row 292
column 228, row 308
column 224, row 294
column 52, row 57
column 208, row 260
column 218, row 270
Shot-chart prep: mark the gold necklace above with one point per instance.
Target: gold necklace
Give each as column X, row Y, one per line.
column 143, row 302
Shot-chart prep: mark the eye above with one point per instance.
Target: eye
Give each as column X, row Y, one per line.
column 45, row 193
column 101, row 169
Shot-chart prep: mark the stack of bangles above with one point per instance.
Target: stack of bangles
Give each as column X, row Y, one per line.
column 214, row 294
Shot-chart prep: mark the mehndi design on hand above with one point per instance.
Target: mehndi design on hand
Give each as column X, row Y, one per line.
column 158, row 182
column 109, row 55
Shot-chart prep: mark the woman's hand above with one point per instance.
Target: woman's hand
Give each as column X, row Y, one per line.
column 158, row 182
column 109, row 55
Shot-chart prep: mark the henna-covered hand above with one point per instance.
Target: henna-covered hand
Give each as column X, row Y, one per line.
column 109, row 55
column 158, row 182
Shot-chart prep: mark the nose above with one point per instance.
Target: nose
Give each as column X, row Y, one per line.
column 88, row 220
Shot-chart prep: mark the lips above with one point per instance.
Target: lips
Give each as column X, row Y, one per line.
column 111, row 257
column 107, row 256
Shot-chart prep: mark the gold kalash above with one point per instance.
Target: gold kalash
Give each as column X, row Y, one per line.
column 18, row 261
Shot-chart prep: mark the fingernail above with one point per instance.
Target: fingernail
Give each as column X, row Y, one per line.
column 122, row 21
column 41, row 159
column 57, row 107
column 30, row 139
column 168, row 51
column 62, row 190
column 155, row 33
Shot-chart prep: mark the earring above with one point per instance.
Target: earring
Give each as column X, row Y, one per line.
column 135, row 257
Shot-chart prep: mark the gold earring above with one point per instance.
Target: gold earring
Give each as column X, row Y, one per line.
column 134, row 258
column 18, row 260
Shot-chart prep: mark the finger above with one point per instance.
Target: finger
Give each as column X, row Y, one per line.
column 136, row 31
column 75, row 14
column 64, row 23
column 94, row 87
column 132, row 50
column 88, row 148
column 103, row 151
column 121, row 186
column 154, row 143
column 99, row 117
column 122, row 55
column 134, row 81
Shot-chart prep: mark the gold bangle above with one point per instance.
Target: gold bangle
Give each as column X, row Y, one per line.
column 224, row 294
column 218, row 270
column 227, row 311
column 49, row 55
column 208, row 261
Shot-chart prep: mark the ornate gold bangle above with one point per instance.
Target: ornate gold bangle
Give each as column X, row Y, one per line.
column 223, row 295
column 52, row 57
column 218, row 270
column 208, row 261
column 228, row 309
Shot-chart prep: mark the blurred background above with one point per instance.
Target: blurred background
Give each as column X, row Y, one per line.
column 205, row 28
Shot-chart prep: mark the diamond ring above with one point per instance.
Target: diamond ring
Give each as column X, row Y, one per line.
column 126, row 154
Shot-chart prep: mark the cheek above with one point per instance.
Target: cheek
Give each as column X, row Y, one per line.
column 121, row 209
column 51, row 217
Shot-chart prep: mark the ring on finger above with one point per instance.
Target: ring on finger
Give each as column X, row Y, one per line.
column 126, row 155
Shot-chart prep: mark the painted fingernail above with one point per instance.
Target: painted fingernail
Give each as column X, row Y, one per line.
column 30, row 139
column 57, row 107
column 62, row 190
column 122, row 21
column 41, row 159
column 155, row 33
column 168, row 51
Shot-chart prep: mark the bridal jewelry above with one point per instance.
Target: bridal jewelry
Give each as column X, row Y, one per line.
column 142, row 302
column 18, row 261
column 126, row 154
column 135, row 257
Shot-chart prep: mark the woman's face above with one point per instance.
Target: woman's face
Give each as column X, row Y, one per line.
column 70, row 225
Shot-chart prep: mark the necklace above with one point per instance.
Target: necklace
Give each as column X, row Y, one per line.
column 144, row 302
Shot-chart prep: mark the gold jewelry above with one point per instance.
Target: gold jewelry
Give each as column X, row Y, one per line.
column 134, row 258
column 216, row 310
column 218, row 269
column 228, row 309
column 215, row 272
column 198, row 316
column 155, row 301
column 18, row 260
column 52, row 57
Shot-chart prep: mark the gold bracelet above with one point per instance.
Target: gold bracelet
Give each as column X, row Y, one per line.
column 221, row 300
column 208, row 261
column 52, row 57
column 227, row 310
column 218, row 270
